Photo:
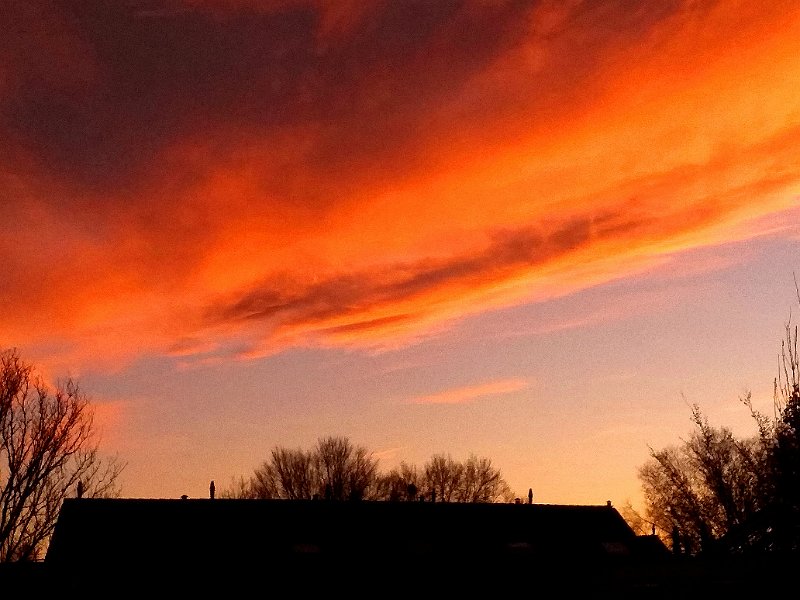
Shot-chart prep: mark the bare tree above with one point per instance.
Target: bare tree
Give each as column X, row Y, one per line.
column 784, row 522
column 708, row 488
column 442, row 475
column 637, row 521
column 48, row 448
column 335, row 469
column 289, row 474
column 474, row 480
column 239, row 488
column 394, row 485
column 346, row 472
column 716, row 491
column 787, row 384
column 482, row 482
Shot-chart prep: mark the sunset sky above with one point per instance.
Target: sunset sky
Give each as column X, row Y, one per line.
column 535, row 231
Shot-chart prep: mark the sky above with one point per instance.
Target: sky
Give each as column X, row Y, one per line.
column 534, row 231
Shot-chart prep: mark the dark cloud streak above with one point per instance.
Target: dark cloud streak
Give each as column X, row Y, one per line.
column 291, row 302
column 371, row 97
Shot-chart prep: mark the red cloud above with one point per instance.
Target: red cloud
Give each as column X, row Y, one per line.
column 254, row 176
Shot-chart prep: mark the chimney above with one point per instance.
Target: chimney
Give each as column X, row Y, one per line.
column 608, row 503
column 211, row 489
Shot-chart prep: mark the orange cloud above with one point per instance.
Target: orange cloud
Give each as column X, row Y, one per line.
column 472, row 392
column 231, row 178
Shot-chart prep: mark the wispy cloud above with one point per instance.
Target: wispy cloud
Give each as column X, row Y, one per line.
column 461, row 395
column 389, row 454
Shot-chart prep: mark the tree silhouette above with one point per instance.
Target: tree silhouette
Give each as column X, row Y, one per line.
column 784, row 456
column 48, row 450
column 396, row 484
column 336, row 469
column 482, row 482
column 444, row 475
column 333, row 469
column 349, row 470
column 706, row 487
column 474, row 480
column 717, row 492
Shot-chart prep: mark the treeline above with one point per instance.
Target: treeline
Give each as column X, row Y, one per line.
column 719, row 493
column 336, row 469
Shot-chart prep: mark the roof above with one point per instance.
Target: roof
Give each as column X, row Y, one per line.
column 110, row 529
column 118, row 536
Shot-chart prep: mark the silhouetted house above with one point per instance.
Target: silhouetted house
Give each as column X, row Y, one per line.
column 650, row 547
column 232, row 542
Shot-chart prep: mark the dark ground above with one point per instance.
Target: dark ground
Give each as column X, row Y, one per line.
column 672, row 578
